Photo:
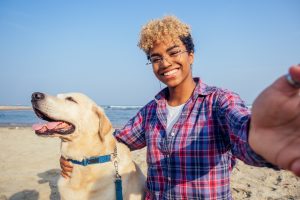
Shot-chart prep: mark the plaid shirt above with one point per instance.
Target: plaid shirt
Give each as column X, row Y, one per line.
column 195, row 160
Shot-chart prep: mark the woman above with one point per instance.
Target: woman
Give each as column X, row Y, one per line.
column 194, row 132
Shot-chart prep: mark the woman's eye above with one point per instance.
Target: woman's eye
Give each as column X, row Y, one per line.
column 155, row 60
column 71, row 99
column 174, row 53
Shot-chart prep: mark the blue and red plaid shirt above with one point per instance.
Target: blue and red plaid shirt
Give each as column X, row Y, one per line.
column 194, row 161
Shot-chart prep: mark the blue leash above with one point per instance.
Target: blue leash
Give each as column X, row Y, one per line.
column 104, row 159
column 118, row 184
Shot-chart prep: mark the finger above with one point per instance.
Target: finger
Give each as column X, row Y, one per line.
column 65, row 175
column 288, row 84
column 63, row 160
column 67, row 170
column 295, row 72
column 289, row 155
column 293, row 77
column 64, row 163
column 295, row 167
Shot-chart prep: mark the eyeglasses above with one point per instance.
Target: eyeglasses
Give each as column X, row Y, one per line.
column 173, row 55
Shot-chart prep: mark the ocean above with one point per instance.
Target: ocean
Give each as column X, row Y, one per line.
column 118, row 115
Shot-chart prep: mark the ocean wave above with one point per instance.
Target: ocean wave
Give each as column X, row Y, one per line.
column 122, row 107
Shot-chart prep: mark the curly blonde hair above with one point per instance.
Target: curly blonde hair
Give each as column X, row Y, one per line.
column 159, row 29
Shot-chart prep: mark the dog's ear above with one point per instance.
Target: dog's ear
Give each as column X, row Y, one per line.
column 104, row 123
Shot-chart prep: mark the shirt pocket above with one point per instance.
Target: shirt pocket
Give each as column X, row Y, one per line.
column 199, row 133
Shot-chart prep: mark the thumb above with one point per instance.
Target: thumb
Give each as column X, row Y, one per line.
column 289, row 83
column 294, row 71
column 295, row 167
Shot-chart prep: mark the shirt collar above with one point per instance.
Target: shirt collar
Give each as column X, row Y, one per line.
column 201, row 89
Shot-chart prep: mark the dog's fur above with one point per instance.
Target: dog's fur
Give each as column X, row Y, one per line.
column 90, row 135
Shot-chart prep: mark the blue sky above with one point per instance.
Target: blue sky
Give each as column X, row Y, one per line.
column 91, row 46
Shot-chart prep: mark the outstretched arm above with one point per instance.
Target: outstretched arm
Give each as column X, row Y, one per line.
column 275, row 123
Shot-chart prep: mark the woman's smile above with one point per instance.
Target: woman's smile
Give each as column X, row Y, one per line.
column 170, row 73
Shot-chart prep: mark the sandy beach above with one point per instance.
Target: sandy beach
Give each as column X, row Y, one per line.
column 15, row 108
column 29, row 169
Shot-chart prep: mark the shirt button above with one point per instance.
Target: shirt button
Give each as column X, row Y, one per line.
column 172, row 134
column 169, row 178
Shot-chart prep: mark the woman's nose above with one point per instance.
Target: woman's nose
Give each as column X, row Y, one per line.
column 165, row 62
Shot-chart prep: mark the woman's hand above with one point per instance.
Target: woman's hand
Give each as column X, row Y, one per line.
column 275, row 123
column 66, row 167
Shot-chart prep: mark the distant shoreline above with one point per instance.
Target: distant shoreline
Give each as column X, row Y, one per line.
column 15, row 108
column 15, row 125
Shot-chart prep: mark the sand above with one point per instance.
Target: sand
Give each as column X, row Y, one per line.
column 15, row 108
column 29, row 169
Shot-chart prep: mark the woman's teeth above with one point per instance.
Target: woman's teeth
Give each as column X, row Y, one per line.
column 170, row 72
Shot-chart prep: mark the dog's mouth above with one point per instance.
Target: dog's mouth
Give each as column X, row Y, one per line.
column 52, row 126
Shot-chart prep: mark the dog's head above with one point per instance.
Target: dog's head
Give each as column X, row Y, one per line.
column 68, row 115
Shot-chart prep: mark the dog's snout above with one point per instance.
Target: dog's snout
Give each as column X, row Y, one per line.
column 37, row 96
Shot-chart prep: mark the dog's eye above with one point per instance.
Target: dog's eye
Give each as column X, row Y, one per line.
column 71, row 99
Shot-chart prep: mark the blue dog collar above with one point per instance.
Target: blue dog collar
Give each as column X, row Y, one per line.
column 92, row 160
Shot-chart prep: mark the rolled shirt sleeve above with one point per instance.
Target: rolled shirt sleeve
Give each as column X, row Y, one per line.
column 236, row 117
column 133, row 134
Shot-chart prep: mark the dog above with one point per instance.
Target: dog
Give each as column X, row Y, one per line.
column 86, row 133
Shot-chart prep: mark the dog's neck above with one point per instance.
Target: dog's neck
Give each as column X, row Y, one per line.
column 89, row 145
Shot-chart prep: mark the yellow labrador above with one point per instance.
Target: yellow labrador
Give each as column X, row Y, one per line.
column 87, row 141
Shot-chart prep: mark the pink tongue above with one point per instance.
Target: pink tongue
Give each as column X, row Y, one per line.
column 52, row 125
column 49, row 125
column 37, row 127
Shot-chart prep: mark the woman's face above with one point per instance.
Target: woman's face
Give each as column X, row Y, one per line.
column 171, row 63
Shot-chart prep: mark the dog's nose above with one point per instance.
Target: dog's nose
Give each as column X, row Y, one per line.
column 37, row 96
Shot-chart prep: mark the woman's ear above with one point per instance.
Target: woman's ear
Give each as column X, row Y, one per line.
column 105, row 125
column 191, row 58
